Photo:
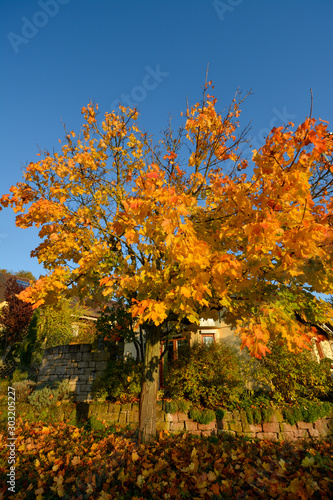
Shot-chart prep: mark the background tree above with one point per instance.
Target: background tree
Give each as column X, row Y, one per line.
column 59, row 323
column 15, row 317
column 20, row 274
column 175, row 231
column 116, row 324
column 25, row 274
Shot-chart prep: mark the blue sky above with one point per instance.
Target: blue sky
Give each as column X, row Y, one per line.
column 57, row 55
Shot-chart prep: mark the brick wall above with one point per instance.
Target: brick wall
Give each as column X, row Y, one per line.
column 75, row 363
column 234, row 423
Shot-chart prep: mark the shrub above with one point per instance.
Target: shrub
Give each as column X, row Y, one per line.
column 202, row 416
column 121, row 381
column 306, row 411
column 19, row 375
column 4, row 383
column 176, row 406
column 219, row 412
column 23, row 390
column 48, row 395
column 206, row 375
column 293, row 376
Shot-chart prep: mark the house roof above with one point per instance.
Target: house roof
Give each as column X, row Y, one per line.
column 4, row 277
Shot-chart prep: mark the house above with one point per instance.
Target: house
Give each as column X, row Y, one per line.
column 323, row 348
column 4, row 277
column 209, row 330
column 215, row 329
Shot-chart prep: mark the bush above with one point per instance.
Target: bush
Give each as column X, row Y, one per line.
column 202, row 416
column 4, row 383
column 177, row 406
column 293, row 376
column 257, row 406
column 306, row 411
column 121, row 381
column 219, row 412
column 207, row 375
column 19, row 375
column 23, row 390
column 49, row 395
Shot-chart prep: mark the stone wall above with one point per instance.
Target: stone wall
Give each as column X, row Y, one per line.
column 75, row 363
column 234, row 423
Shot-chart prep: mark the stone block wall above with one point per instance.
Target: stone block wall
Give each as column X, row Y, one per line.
column 75, row 363
column 234, row 423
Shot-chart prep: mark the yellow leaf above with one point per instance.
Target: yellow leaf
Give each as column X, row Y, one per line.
column 140, row 480
column 135, row 456
column 211, row 476
column 308, row 462
column 282, row 464
column 76, row 460
column 185, row 291
column 295, row 485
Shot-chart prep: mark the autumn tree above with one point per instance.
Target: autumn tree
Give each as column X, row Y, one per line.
column 15, row 317
column 178, row 228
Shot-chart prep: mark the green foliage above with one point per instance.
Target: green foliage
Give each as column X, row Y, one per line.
column 293, row 376
column 57, row 324
column 207, row 375
column 4, row 383
column 202, row 416
column 121, row 381
column 21, row 273
column 95, row 424
column 253, row 415
column 257, row 406
column 116, row 322
column 267, row 413
column 219, row 412
column 19, row 375
column 46, row 395
column 29, row 344
column 23, row 389
column 306, row 411
column 176, row 406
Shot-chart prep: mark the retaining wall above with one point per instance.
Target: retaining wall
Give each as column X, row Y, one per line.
column 234, row 423
column 75, row 363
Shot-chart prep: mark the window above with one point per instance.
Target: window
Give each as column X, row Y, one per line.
column 208, row 336
column 208, row 339
column 176, row 348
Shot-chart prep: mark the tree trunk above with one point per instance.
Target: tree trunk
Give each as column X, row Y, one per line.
column 5, row 353
column 149, row 386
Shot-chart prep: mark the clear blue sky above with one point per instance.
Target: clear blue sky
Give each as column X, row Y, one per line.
column 57, row 55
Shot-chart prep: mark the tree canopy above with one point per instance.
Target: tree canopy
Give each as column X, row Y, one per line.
column 183, row 226
column 15, row 317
